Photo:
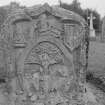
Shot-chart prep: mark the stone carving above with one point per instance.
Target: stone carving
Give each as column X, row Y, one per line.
column 49, row 54
column 45, row 54
column 21, row 32
column 48, row 24
column 50, row 79
column 49, row 57
column 74, row 34
column 48, row 87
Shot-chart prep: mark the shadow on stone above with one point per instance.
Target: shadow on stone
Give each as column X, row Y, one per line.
column 97, row 82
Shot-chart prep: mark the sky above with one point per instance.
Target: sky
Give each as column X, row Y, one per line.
column 98, row 5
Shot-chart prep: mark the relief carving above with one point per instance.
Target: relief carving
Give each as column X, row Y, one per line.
column 73, row 35
column 21, row 32
column 44, row 71
column 48, row 87
column 47, row 24
column 49, row 54
column 50, row 80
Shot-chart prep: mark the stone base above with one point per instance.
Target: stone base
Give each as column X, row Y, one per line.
column 92, row 96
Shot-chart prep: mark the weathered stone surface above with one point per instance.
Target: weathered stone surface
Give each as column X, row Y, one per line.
column 44, row 56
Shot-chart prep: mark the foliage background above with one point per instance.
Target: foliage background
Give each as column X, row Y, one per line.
column 85, row 13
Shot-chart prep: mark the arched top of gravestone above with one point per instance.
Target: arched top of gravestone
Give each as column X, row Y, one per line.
column 39, row 18
column 57, row 12
column 32, row 12
column 16, row 15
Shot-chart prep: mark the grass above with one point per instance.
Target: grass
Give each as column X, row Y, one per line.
column 96, row 64
column 96, row 57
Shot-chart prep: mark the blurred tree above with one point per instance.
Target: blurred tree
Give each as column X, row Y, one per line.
column 85, row 13
column 97, row 21
column 74, row 6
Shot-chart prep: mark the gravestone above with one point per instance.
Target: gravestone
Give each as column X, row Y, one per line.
column 44, row 56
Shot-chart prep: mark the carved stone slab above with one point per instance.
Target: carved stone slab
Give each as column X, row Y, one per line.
column 47, row 56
